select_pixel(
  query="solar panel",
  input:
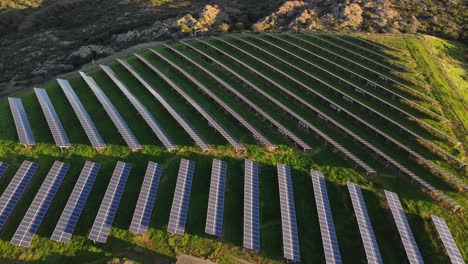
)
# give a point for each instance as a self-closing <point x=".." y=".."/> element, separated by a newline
<point x="251" y="206"/>
<point x="181" y="199"/>
<point x="55" y="126"/>
<point x="407" y="238"/>
<point x="145" y="204"/>
<point x="116" y="118"/>
<point x="103" y="222"/>
<point x="39" y="206"/>
<point x="365" y="227"/>
<point x="15" y="189"/>
<point x="23" y="128"/>
<point x="3" y="168"/>
<point x="327" y="227"/>
<point x="199" y="140"/>
<point x="288" y="214"/>
<point x="83" y="116"/>
<point x="147" y="116"/>
<point x="211" y="119"/>
<point x="293" y="114"/>
<point x="214" y="215"/>
<point x="70" y="215"/>
<point x="260" y="137"/>
<point x="447" y="239"/>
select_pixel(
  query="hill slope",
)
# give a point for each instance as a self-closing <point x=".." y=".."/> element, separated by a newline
<point x="415" y="62"/>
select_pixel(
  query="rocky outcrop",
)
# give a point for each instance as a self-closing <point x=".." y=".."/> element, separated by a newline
<point x="202" y="20"/>
<point x="364" y="15"/>
<point x="88" y="53"/>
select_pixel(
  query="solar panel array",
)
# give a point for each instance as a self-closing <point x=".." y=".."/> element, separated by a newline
<point x="15" y="189"/>
<point x="115" y="116"/>
<point x="55" y="126"/>
<point x="410" y="132"/>
<point x="288" y="214"/>
<point x="365" y="227"/>
<point x="252" y="105"/>
<point x="146" y="199"/>
<point x="255" y="132"/>
<point x="181" y="199"/>
<point x="338" y="78"/>
<point x="452" y="179"/>
<point x="105" y="216"/>
<point x="251" y="206"/>
<point x="3" y="168"/>
<point x="407" y="238"/>
<point x="301" y="120"/>
<point x="426" y="186"/>
<point x="211" y="119"/>
<point x="39" y="206"/>
<point x="142" y="110"/>
<point x="70" y="215"/>
<point x="83" y="116"/>
<point x="214" y="215"/>
<point x="385" y="90"/>
<point x="375" y="63"/>
<point x="447" y="239"/>
<point x="23" y="128"/>
<point x="199" y="140"/>
<point x="327" y="227"/>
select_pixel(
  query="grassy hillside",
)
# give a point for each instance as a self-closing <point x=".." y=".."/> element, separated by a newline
<point x="158" y="245"/>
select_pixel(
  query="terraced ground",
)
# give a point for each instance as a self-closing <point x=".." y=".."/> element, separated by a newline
<point x="337" y="94"/>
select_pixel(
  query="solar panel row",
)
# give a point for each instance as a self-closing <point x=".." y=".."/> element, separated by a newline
<point x="327" y="227"/>
<point x="365" y="227"/>
<point x="105" y="216"/>
<point x="83" y="116"/>
<point x="199" y="140"/>
<point x="55" y="126"/>
<point x="288" y="214"/>
<point x="70" y="215"/>
<point x="366" y="144"/>
<point x="142" y="110"/>
<point x="39" y="206"/>
<point x="257" y="135"/>
<point x="23" y="128"/>
<point x="15" y="189"/>
<point x="407" y="238"/>
<point x="142" y="215"/>
<point x="180" y="202"/>
<point x="219" y="101"/>
<point x="214" y="215"/>
<point x="3" y="168"/>
<point x="301" y="120"/>
<point x="251" y="206"/>
<point x="115" y="116"/>
<point x="447" y="239"/>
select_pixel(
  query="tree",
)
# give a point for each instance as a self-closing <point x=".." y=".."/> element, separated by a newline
<point x="224" y="27"/>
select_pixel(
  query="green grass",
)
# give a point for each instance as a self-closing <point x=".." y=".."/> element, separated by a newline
<point x="158" y="244"/>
